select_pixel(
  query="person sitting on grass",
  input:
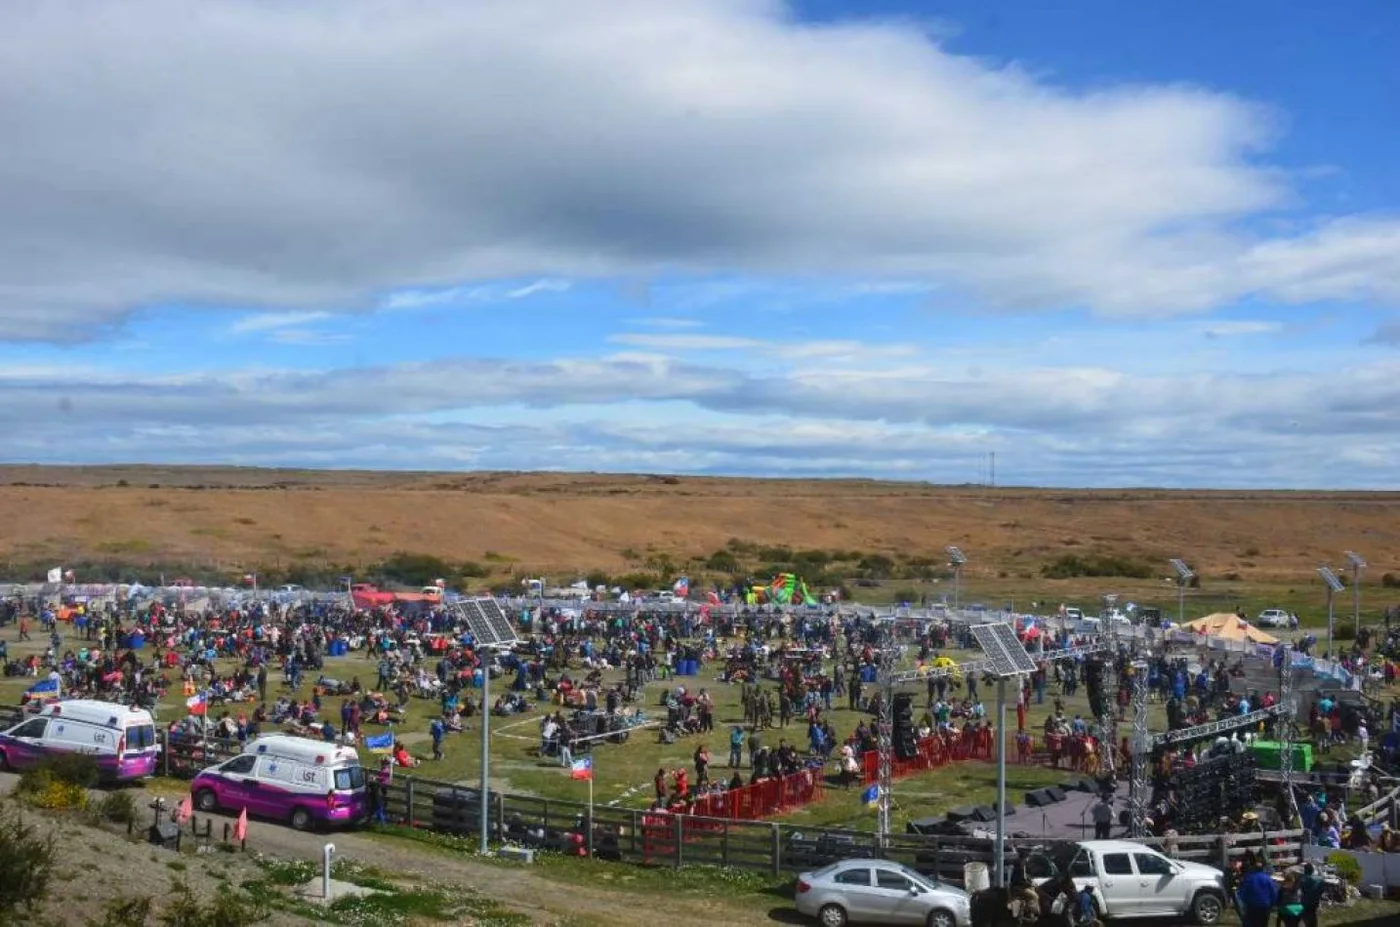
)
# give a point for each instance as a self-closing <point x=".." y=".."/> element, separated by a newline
<point x="401" y="757"/>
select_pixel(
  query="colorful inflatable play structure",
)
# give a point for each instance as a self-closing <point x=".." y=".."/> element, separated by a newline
<point x="785" y="589"/>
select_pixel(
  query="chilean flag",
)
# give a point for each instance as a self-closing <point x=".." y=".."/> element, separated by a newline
<point x="682" y="587"/>
<point x="197" y="704"/>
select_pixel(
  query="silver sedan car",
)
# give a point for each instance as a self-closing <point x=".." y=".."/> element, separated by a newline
<point x="876" y="891"/>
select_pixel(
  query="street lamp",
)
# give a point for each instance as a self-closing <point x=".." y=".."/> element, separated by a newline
<point x="1334" y="586"/>
<point x="1183" y="576"/>
<point x="1357" y="565"/>
<point x="956" y="559"/>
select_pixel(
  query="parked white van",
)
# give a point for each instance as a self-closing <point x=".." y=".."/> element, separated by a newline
<point x="122" y="739"/>
<point x="287" y="778"/>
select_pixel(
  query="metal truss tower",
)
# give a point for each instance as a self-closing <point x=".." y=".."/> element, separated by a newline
<point x="884" y="732"/>
<point x="1140" y="785"/>
<point x="1288" y="721"/>
<point x="1108" y="720"/>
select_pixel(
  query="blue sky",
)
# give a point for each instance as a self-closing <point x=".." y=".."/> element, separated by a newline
<point x="1146" y="244"/>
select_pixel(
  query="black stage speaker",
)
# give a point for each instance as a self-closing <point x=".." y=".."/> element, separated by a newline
<point x="906" y="745"/>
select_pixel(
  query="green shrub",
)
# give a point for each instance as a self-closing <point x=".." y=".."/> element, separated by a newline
<point x="1347" y="867"/>
<point x="124" y="912"/>
<point x="226" y="909"/>
<point x="78" y="769"/>
<point x="117" y="807"/>
<point x="26" y="863"/>
<point x="1073" y="566"/>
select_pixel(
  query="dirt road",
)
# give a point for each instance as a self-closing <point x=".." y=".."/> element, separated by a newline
<point x="527" y="891"/>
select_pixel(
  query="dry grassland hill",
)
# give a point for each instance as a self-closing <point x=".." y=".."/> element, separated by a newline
<point x="562" y="524"/>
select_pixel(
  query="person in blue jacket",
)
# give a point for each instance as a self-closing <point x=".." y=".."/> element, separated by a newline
<point x="1256" y="897"/>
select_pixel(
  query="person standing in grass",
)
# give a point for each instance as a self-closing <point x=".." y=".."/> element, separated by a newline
<point x="736" y="746"/>
<point x="438" y="731"/>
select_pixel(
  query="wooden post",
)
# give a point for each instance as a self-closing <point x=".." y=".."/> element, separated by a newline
<point x="408" y="800"/>
<point x="724" y="845"/>
<point x="679" y="838"/>
<point x="635" y="825"/>
<point x="775" y="850"/>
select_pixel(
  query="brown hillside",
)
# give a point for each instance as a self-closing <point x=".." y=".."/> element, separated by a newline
<point x="560" y="523"/>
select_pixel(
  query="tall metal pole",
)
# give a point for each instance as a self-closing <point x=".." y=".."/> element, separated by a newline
<point x="1331" y="620"/>
<point x="957" y="586"/>
<point x="1181" y="601"/>
<point x="484" y="809"/>
<point x="1000" y="854"/>
<point x="1356" y="598"/>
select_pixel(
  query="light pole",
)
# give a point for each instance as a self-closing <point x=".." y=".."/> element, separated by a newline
<point x="1183" y="576"/>
<point x="484" y="805"/>
<point x="1357" y="565"/>
<point x="956" y="559"/>
<point x="1334" y="586"/>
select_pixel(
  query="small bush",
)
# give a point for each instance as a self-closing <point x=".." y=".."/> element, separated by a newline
<point x="1390" y="581"/>
<point x="26" y="863"/>
<point x="124" y="912"/>
<point x="1072" y="566"/>
<point x="69" y="768"/>
<point x="117" y="807"/>
<point x="226" y="909"/>
<point x="59" y="796"/>
<point x="1347" y="867"/>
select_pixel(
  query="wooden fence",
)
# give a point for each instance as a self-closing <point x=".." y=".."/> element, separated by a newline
<point x="640" y="836"/>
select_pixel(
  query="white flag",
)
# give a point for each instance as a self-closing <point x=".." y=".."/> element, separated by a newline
<point x="56" y="575"/>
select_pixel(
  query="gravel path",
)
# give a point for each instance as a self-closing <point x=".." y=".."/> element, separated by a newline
<point x="107" y="865"/>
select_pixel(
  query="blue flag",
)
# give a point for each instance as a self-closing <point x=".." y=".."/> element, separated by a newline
<point x="43" y="686"/>
<point x="871" y="796"/>
<point x="380" y="743"/>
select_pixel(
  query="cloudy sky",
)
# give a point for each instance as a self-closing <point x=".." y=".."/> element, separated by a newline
<point x="1117" y="244"/>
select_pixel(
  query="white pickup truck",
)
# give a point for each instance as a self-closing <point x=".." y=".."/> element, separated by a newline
<point x="1134" y="880"/>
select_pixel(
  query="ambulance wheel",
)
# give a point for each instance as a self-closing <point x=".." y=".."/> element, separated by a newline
<point x="301" y="819"/>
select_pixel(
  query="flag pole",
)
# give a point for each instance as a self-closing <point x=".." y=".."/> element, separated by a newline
<point x="591" y="773"/>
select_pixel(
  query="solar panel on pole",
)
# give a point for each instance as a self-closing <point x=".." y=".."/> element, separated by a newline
<point x="1005" y="653"/>
<point x="487" y="622"/>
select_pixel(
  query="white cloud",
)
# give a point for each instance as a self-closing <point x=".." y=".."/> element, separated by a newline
<point x="1226" y="328"/>
<point x="319" y="155"/>
<point x="667" y="322"/>
<point x="1079" y="426"/>
<point x="270" y="321"/>
<point x="458" y="295"/>
<point x="684" y="342"/>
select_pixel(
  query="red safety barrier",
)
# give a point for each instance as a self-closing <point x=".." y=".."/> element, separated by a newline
<point x="934" y="751"/>
<point x="708" y="813"/>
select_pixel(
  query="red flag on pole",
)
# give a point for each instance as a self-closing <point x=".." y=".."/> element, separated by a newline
<point x="185" y="811"/>
<point x="240" y="828"/>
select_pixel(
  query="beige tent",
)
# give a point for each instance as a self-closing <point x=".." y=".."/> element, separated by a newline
<point x="1229" y="626"/>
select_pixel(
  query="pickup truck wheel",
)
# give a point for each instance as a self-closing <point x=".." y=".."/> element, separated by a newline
<point x="941" y="919"/>
<point x="832" y="915"/>
<point x="1206" y="909"/>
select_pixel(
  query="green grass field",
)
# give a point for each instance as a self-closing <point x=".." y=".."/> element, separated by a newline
<point x="623" y="772"/>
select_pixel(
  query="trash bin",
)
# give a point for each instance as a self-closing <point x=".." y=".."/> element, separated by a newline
<point x="976" y="877"/>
